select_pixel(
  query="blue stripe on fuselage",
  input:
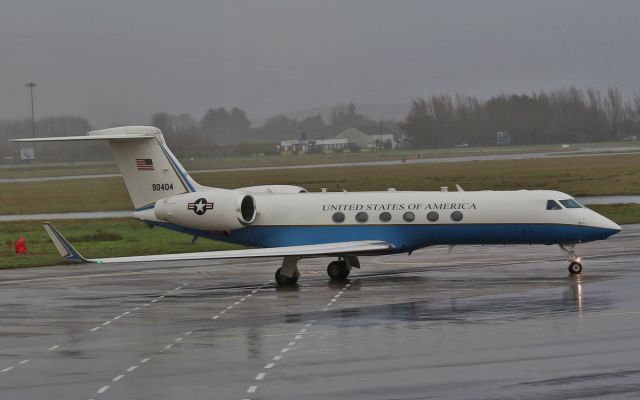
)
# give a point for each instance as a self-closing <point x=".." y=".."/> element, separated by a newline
<point x="405" y="237"/>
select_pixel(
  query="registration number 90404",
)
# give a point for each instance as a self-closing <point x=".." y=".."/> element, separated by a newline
<point x="158" y="187"/>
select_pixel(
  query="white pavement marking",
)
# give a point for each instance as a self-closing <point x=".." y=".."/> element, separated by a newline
<point x="177" y="340"/>
<point x="299" y="335"/>
<point x="103" y="324"/>
<point x="103" y="389"/>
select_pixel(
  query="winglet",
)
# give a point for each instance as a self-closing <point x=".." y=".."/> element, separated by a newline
<point x="63" y="246"/>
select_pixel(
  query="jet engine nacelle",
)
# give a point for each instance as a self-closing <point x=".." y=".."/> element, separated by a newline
<point x="213" y="210"/>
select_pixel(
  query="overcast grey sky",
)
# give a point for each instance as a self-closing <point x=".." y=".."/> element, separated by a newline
<point x="120" y="61"/>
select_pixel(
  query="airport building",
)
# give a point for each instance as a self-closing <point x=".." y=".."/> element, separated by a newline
<point x="366" y="138"/>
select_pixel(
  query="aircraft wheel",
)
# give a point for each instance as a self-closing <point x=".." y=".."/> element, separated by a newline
<point x="282" y="280"/>
<point x="575" y="268"/>
<point x="338" y="270"/>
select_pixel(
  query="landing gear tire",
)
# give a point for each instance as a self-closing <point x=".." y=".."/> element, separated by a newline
<point x="282" y="280"/>
<point x="575" y="268"/>
<point x="338" y="270"/>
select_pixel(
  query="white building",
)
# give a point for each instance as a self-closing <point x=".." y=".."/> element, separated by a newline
<point x="373" y="137"/>
<point x="312" y="146"/>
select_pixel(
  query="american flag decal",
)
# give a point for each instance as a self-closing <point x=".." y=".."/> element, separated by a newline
<point x="144" y="164"/>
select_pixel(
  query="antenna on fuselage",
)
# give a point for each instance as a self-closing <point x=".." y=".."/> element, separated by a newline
<point x="460" y="189"/>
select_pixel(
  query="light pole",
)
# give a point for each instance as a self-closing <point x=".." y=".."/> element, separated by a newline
<point x="31" y="85"/>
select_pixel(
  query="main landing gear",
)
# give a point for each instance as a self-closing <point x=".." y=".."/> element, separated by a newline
<point x="574" y="267"/>
<point x="340" y="269"/>
<point x="288" y="274"/>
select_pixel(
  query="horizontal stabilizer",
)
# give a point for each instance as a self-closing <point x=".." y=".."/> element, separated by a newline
<point x="77" y="138"/>
<point x="118" y="133"/>
<point x="316" y="250"/>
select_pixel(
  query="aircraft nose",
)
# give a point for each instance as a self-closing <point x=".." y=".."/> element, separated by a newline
<point x="609" y="225"/>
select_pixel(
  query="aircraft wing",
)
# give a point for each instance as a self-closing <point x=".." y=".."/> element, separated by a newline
<point x="67" y="251"/>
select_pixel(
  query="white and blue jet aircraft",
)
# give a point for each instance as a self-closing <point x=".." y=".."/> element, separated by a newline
<point x="287" y="221"/>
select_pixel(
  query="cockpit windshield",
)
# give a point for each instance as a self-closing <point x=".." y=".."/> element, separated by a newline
<point x="553" y="205"/>
<point x="570" y="203"/>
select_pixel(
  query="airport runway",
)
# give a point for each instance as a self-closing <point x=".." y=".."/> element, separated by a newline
<point x="588" y="151"/>
<point x="479" y="322"/>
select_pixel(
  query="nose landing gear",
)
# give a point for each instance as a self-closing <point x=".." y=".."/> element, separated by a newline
<point x="574" y="267"/>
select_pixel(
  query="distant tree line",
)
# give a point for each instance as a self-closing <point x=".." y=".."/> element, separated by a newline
<point x="560" y="116"/>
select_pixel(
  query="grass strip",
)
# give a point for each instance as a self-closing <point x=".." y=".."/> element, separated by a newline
<point x="578" y="176"/>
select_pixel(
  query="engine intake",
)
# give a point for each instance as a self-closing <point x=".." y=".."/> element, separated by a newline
<point x="214" y="210"/>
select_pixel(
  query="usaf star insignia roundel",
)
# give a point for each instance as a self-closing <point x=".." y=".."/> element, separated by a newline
<point x="200" y="206"/>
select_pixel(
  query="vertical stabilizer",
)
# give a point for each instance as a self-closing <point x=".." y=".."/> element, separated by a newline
<point x="149" y="169"/>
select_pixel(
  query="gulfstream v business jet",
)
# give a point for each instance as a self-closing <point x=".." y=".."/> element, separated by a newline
<point x="287" y="221"/>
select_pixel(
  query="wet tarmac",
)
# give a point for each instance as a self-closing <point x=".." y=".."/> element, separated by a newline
<point x="476" y="322"/>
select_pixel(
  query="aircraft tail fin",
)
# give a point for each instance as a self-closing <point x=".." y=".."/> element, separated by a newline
<point x="63" y="246"/>
<point x="149" y="169"/>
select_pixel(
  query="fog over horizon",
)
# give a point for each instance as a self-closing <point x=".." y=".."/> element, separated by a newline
<point x="120" y="62"/>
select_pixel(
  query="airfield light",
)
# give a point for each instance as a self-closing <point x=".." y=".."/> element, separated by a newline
<point x="31" y="85"/>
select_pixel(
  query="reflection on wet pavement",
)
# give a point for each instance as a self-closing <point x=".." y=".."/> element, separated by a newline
<point x="503" y="323"/>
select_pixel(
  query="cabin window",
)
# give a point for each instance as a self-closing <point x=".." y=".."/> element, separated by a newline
<point x="433" y="216"/>
<point x="385" y="216"/>
<point x="553" y="205"/>
<point x="570" y="203"/>
<point x="456" y="216"/>
<point x="408" y="216"/>
<point x="338" y="217"/>
<point x="362" y="217"/>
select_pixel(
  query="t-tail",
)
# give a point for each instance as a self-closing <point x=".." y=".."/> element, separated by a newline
<point x="149" y="169"/>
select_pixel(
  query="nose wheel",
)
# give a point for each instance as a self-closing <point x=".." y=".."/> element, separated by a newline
<point x="575" y="267"/>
